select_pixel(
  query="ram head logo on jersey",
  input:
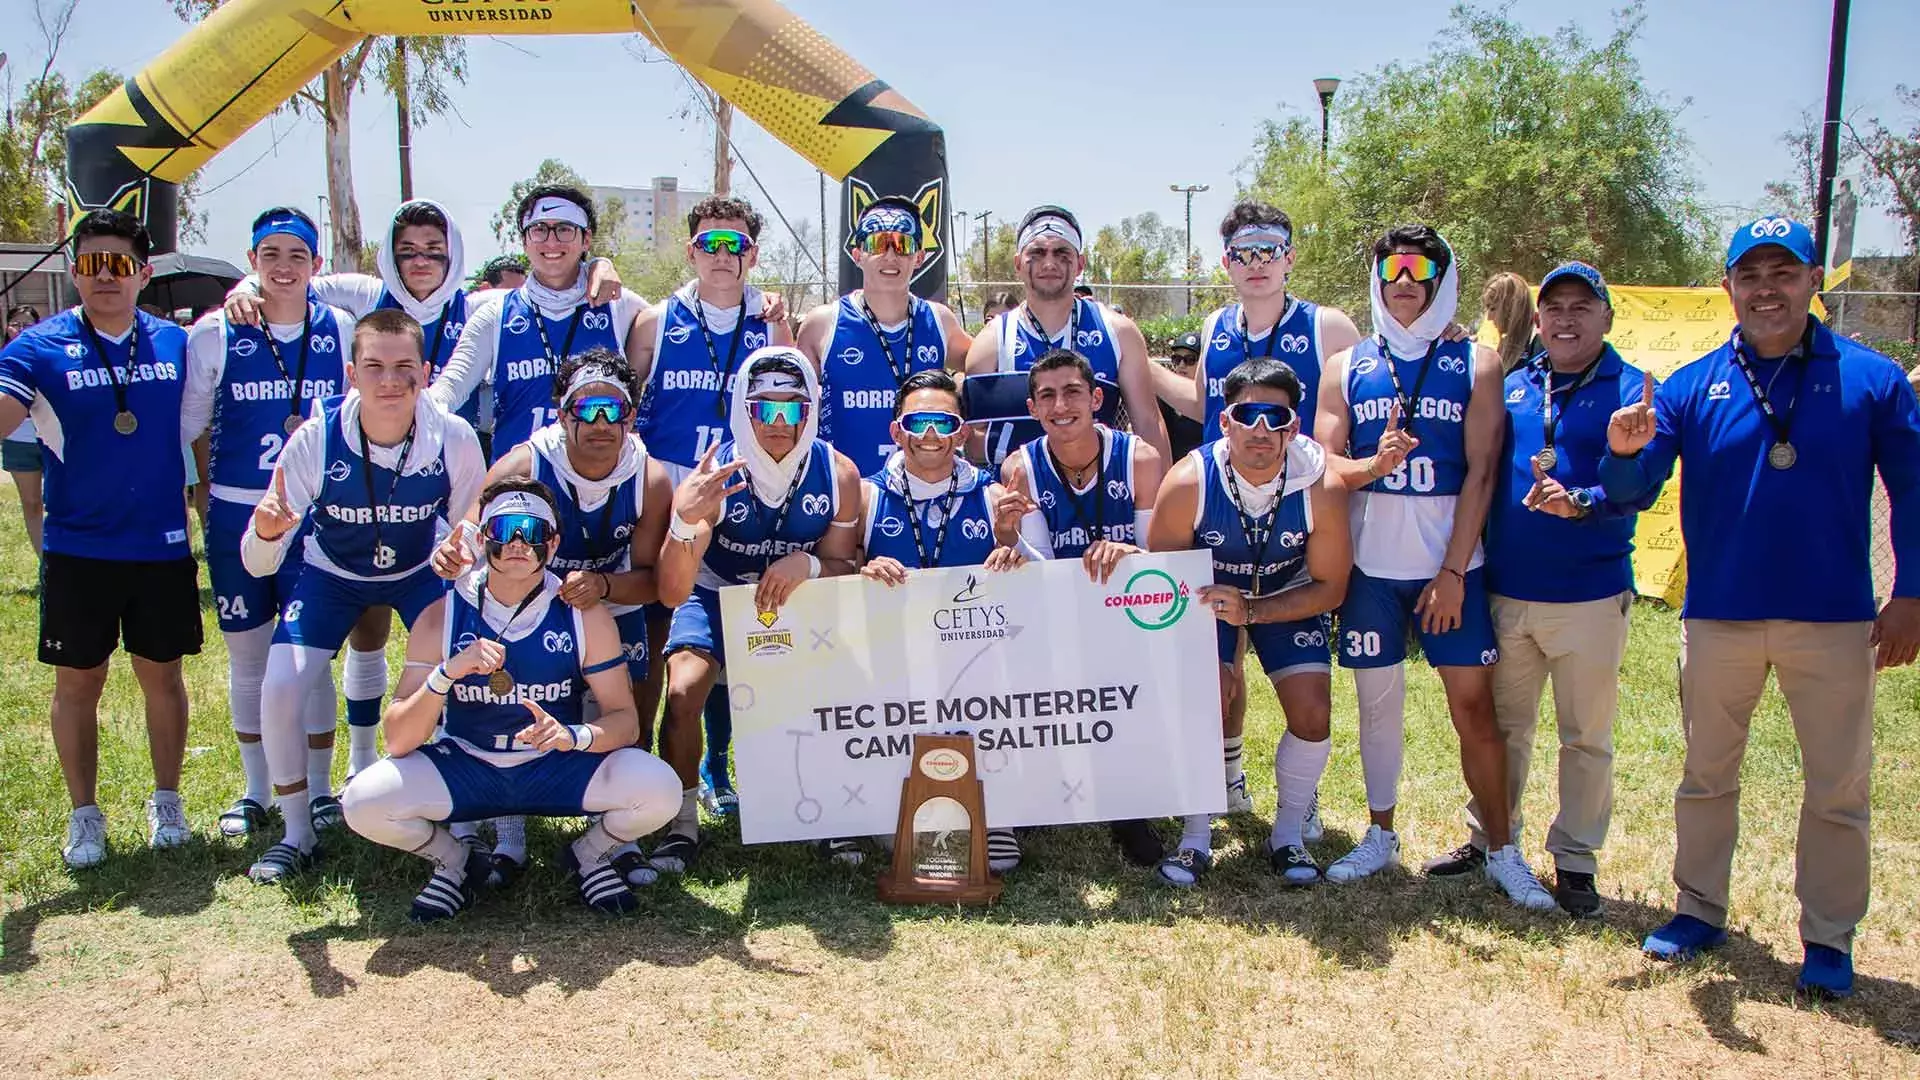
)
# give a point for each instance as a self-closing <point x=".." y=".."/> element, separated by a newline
<point x="1090" y="338"/>
<point x="596" y="320"/>
<point x="931" y="199"/>
<point x="242" y="347"/>
<point x="975" y="529"/>
<point x="927" y="354"/>
<point x="679" y="334"/>
<point x="1516" y="393"/>
<point x="890" y="527"/>
<point x="815" y="504"/>
<point x="622" y="532"/>
<point x="76" y="351"/>
<point x="518" y="325"/>
<point x="1452" y="365"/>
<point x="1116" y="489"/>
<point x="1293" y="343"/>
<point x="557" y="641"/>
<point x="323" y="344"/>
<point x="433" y="467"/>
<point x="1046" y="499"/>
<point x="754" y="339"/>
<point x="851" y="356"/>
<point x="339" y="471"/>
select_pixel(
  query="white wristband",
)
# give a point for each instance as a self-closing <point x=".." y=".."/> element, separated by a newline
<point x="813" y="564"/>
<point x="680" y="528"/>
<point x="439" y="681"/>
<point x="582" y="736"/>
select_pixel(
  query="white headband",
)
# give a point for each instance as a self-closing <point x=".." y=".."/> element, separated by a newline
<point x="1257" y="232"/>
<point x="519" y="502"/>
<point x="775" y="382"/>
<point x="1049" y="225"/>
<point x="555" y="208"/>
<point x="590" y="374"/>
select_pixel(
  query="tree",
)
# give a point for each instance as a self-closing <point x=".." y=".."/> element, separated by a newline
<point x="1139" y="249"/>
<point x="610" y="239"/>
<point x="1523" y="150"/>
<point x="423" y="75"/>
<point x="1892" y="157"/>
<point x="1000" y="251"/>
<point x="1797" y="195"/>
<point x="792" y="263"/>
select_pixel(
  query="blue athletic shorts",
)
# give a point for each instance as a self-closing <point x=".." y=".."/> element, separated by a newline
<point x="242" y="601"/>
<point x="696" y="625"/>
<point x="1378" y="612"/>
<point x="633" y="641"/>
<point x="325" y="607"/>
<point x="1282" y="648"/>
<point x="551" y="785"/>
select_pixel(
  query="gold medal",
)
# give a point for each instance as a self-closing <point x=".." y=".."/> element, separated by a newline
<point x="125" y="422"/>
<point x="500" y="683"/>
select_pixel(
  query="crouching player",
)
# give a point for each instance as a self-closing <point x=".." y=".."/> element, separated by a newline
<point x="502" y="660"/>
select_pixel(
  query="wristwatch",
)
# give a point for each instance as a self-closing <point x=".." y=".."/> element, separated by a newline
<point x="1582" y="500"/>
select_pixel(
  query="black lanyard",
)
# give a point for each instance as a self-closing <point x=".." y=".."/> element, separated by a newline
<point x="1097" y="529"/>
<point x="1273" y="335"/>
<point x="914" y="517"/>
<point x="1259" y="534"/>
<point x="597" y="537"/>
<point x="1782" y="426"/>
<point x="300" y="377"/>
<point x="1587" y="375"/>
<point x="374" y="504"/>
<point x="900" y="373"/>
<point x="440" y="329"/>
<point x="733" y="350"/>
<point x="1406" y="403"/>
<point x="1046" y="339"/>
<point x="119" y="385"/>
<point x="540" y="324"/>
<point x="525" y="603"/>
<point x="780" y="518"/>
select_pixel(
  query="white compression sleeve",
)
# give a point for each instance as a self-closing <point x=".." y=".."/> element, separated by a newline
<point x="1297" y="768"/>
<point x="246" y="669"/>
<point x="396" y="801"/>
<point x="1382" y="694"/>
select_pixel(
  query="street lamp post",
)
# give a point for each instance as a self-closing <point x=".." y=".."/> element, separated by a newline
<point x="1325" y="86"/>
<point x="1188" y="190"/>
<point x="958" y="242"/>
<point x="984" y="217"/>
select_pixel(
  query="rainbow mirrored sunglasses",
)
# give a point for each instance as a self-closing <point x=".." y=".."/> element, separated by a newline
<point x="723" y="241"/>
<point x="116" y="263"/>
<point x="1275" y="416"/>
<point x="503" y="529"/>
<point x="882" y="243"/>
<point x="943" y="424"/>
<point x="791" y="413"/>
<point x="599" y="408"/>
<point x="1390" y="267"/>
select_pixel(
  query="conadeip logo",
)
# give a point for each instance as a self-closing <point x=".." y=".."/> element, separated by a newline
<point x="1152" y="599"/>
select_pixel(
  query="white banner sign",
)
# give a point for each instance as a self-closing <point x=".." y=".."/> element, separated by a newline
<point x="1086" y="702"/>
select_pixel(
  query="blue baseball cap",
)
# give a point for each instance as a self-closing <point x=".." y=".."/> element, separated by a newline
<point x="1581" y="272"/>
<point x="1779" y="231"/>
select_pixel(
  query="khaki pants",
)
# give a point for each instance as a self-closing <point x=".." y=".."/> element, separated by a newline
<point x="1579" y="647"/>
<point x="1826" y="674"/>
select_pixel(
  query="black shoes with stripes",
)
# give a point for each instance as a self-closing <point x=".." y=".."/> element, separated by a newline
<point x="601" y="886"/>
<point x="443" y="897"/>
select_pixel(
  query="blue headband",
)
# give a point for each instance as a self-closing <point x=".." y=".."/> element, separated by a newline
<point x="886" y="217"/>
<point x="288" y="225"/>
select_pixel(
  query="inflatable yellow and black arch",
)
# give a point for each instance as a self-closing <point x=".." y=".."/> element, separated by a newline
<point x="132" y="150"/>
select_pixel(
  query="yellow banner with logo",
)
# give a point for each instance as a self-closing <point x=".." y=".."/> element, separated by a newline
<point x="1659" y="329"/>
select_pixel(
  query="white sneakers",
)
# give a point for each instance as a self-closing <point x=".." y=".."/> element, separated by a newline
<point x="1508" y="869"/>
<point x="86" y="838"/>
<point x="1238" y="801"/>
<point x="1376" y="851"/>
<point x="166" y="822"/>
<point x="1312" y="829"/>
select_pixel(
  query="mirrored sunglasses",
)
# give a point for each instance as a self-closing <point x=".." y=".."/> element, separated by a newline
<point x="717" y="241"/>
<point x="1419" y="266"/>
<point x="942" y="424"/>
<point x="792" y="413"/>
<point x="599" y="409"/>
<point x="1274" y="416"/>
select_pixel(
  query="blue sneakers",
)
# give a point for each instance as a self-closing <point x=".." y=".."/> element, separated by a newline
<point x="1827" y="973"/>
<point x="1683" y="938"/>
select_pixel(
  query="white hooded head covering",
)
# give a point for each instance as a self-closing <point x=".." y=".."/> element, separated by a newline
<point x="764" y="368"/>
<point x="424" y="311"/>
<point x="1412" y="342"/>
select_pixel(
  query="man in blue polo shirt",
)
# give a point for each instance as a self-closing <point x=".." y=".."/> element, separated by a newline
<point x="1559" y="578"/>
<point x="104" y="384"/>
<point x="1780" y="430"/>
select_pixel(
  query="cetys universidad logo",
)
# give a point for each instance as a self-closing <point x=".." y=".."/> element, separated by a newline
<point x="1152" y="599"/>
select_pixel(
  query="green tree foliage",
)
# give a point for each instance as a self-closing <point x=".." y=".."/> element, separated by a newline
<point x="1523" y="150"/>
<point x="1139" y="249"/>
<point x="506" y="227"/>
<point x="1892" y="156"/>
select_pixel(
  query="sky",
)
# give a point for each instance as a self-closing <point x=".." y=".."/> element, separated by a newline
<point x="1097" y="106"/>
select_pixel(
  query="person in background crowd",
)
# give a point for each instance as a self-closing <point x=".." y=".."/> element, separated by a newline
<point x="1780" y="431"/>
<point x="1508" y="305"/>
<point x="997" y="304"/>
<point x="505" y="272"/>
<point x="21" y="454"/>
<point x="104" y="383"/>
<point x="1183" y="358"/>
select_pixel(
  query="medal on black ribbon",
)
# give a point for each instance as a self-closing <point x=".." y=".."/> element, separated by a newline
<point x="298" y="376"/>
<point x="1782" y="455"/>
<point x="500" y="682"/>
<point x="293" y="423"/>
<point x="124" y="421"/>
<point x="1548" y="457"/>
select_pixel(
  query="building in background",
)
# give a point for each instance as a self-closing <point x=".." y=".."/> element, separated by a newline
<point x="663" y="202"/>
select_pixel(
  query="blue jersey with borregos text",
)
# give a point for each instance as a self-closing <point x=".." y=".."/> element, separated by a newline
<point x="544" y="663"/>
<point x="861" y="371"/>
<point x="442" y="334"/>
<point x="1075" y="519"/>
<point x="1283" y="560"/>
<point x="1438" y="466"/>
<point x="396" y="531"/>
<point x="256" y="396"/>
<point x="683" y="407"/>
<point x="752" y="536"/>
<point x="523" y="369"/>
<point x="1224" y="345"/>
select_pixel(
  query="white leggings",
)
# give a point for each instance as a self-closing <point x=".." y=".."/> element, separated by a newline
<point x="397" y="801"/>
<point x="296" y="700"/>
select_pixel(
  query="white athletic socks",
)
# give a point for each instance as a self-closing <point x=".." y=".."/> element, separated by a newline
<point x="687" y="821"/>
<point x="1382" y="694"/>
<point x="1196" y="832"/>
<point x="363" y="748"/>
<point x="253" y="761"/>
<point x="510" y="838"/>
<point x="297" y="809"/>
<point x="1297" y="767"/>
<point x="594" y="845"/>
<point x="446" y="852"/>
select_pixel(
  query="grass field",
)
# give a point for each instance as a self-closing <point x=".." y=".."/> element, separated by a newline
<point x="769" y="963"/>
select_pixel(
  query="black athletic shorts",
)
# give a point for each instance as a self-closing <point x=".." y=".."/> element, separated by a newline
<point x="89" y="606"/>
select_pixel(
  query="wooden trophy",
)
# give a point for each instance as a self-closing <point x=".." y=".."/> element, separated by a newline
<point x="940" y="848"/>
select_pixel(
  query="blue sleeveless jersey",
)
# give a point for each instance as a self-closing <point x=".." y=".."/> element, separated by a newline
<point x="254" y="399"/>
<point x="1103" y="512"/>
<point x="1438" y="466"/>
<point x="523" y="372"/>
<point x="600" y="539"/>
<point x="544" y="663"/>
<point x="1087" y="333"/>
<point x="745" y="543"/>
<point x="442" y="333"/>
<point x="1284" y="559"/>
<point x="861" y="372"/>
<point x="1295" y="342"/>
<point x="683" y="408"/>
<point x="343" y="522"/>
<point x="967" y="538"/>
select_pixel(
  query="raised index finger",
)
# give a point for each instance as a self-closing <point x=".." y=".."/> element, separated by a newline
<point x="1393" y="417"/>
<point x="1646" y="388"/>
